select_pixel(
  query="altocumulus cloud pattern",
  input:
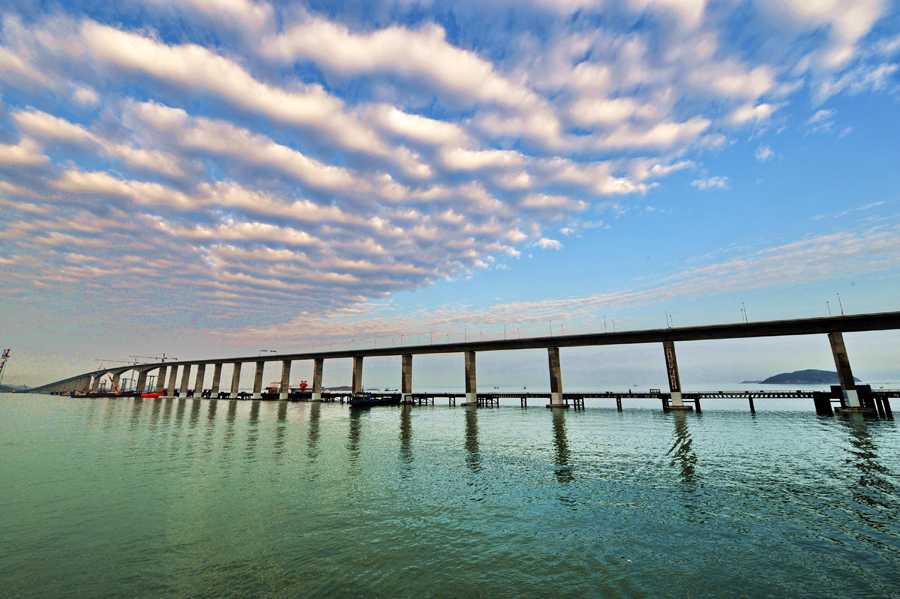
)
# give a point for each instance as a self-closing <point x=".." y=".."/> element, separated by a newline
<point x="236" y="159"/>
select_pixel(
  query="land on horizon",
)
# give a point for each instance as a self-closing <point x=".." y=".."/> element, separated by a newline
<point x="809" y="376"/>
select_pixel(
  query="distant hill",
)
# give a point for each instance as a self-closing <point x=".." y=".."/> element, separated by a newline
<point x="805" y="377"/>
<point x="13" y="388"/>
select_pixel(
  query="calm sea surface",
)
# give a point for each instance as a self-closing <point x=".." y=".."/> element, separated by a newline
<point x="199" y="498"/>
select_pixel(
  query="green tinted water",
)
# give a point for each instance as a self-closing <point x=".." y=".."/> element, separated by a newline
<point x="199" y="498"/>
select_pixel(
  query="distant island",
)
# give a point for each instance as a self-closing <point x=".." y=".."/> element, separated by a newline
<point x="803" y="377"/>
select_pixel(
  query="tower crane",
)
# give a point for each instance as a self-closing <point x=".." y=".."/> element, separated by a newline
<point x="162" y="358"/>
<point x="119" y="361"/>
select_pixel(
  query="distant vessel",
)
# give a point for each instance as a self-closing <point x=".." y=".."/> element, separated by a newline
<point x="367" y="400"/>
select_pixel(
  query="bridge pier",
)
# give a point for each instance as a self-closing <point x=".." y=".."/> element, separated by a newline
<point x="676" y="403"/>
<point x="217" y="379"/>
<point x="556" y="388"/>
<point x="357" y="374"/>
<point x="201" y="378"/>
<point x="170" y="387"/>
<point x="258" y="379"/>
<point x="284" y="390"/>
<point x="471" y="381"/>
<point x="236" y="380"/>
<point x="141" y="381"/>
<point x="161" y="379"/>
<point x="845" y="375"/>
<point x="406" y="377"/>
<point x="115" y="380"/>
<point x="95" y="383"/>
<point x="318" y="369"/>
<point x="185" y="379"/>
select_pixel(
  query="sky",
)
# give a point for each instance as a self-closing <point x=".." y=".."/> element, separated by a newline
<point x="209" y="178"/>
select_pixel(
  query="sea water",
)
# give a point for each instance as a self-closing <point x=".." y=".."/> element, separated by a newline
<point x="201" y="498"/>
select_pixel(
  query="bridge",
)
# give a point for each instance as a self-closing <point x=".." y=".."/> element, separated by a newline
<point x="832" y="327"/>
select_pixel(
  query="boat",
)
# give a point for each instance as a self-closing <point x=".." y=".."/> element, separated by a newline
<point x="368" y="400"/>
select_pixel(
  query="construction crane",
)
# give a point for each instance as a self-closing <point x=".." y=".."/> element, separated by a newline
<point x="3" y="360"/>
<point x="162" y="358"/>
<point x="119" y="361"/>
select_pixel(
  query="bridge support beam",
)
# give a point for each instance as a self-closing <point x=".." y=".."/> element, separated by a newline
<point x="406" y="377"/>
<point x="95" y="384"/>
<point x="258" y="380"/>
<point x="845" y="374"/>
<point x="236" y="380"/>
<point x="556" y="388"/>
<point x="217" y="380"/>
<point x="161" y="379"/>
<point x="318" y="370"/>
<point x="674" y="378"/>
<point x="185" y="380"/>
<point x="471" y="381"/>
<point x="357" y="374"/>
<point x="115" y="381"/>
<point x="284" y="390"/>
<point x="141" y="381"/>
<point x="201" y="378"/>
<point x="170" y="387"/>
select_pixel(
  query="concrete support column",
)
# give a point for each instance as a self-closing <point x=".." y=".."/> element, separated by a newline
<point x="673" y="376"/>
<point x="406" y="377"/>
<point x="116" y="378"/>
<point x="161" y="379"/>
<point x="318" y="369"/>
<point x="141" y="381"/>
<point x="236" y="379"/>
<point x="842" y="364"/>
<point x="217" y="378"/>
<point x="471" y="383"/>
<point x="556" y="388"/>
<point x="258" y="380"/>
<point x="357" y="374"/>
<point x="173" y="374"/>
<point x="95" y="384"/>
<point x="185" y="379"/>
<point x="284" y="390"/>
<point x="201" y="378"/>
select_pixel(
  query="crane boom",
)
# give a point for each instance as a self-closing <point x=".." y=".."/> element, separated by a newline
<point x="162" y="358"/>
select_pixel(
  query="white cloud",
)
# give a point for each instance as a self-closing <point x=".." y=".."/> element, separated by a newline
<point x="764" y="154"/>
<point x="85" y="96"/>
<point x="26" y="152"/>
<point x="468" y="160"/>
<point x="194" y="66"/>
<point x="424" y="53"/>
<point x="661" y="135"/>
<point x="845" y="22"/>
<point x="45" y="125"/>
<point x="711" y="183"/>
<point x="224" y="138"/>
<point x="748" y="112"/>
<point x="822" y="121"/>
<point x="542" y="201"/>
<point x="549" y="244"/>
<point x="253" y="15"/>
<point x="591" y="111"/>
<point x="416" y="127"/>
